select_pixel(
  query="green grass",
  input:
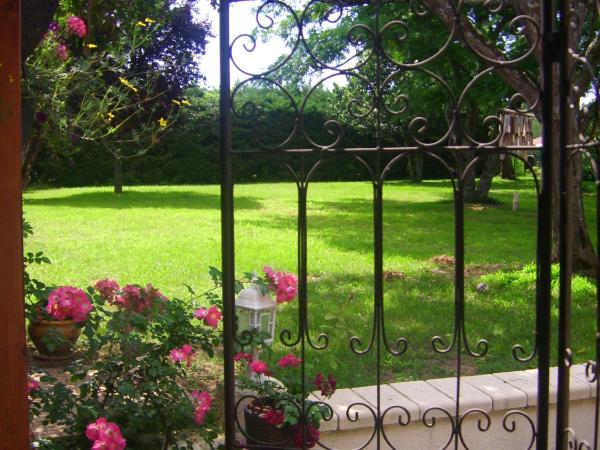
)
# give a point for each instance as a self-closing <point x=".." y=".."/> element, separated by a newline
<point x="170" y="235"/>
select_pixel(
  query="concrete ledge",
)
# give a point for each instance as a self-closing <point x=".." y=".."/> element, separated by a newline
<point x="421" y="414"/>
<point x="409" y="401"/>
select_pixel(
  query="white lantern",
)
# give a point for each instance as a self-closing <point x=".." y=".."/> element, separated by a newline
<point x="256" y="310"/>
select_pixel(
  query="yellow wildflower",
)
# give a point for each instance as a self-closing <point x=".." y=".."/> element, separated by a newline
<point x="186" y="102"/>
<point x="141" y="24"/>
<point x="109" y="117"/>
<point x="125" y="82"/>
<point x="149" y="20"/>
<point x="90" y="46"/>
<point x="163" y="122"/>
<point x="176" y="102"/>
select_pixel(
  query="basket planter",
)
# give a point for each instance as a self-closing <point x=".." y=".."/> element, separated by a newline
<point x="54" y="339"/>
<point x="260" y="433"/>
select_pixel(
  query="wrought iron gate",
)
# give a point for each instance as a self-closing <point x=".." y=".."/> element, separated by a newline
<point x="550" y="30"/>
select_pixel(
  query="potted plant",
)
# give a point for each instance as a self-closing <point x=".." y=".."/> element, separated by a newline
<point x="278" y="413"/>
<point x="55" y="320"/>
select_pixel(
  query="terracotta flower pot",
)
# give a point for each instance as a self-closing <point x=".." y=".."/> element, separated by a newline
<point x="54" y="339"/>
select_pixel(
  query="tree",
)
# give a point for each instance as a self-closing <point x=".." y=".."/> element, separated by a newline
<point x="460" y="50"/>
<point x="118" y="83"/>
<point x="585" y="42"/>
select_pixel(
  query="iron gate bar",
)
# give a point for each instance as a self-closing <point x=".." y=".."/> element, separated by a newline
<point x="227" y="227"/>
<point x="544" y="231"/>
<point x="393" y="150"/>
<point x="549" y="39"/>
<point x="566" y="229"/>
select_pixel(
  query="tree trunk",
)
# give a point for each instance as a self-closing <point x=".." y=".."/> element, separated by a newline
<point x="415" y="168"/>
<point x="583" y="254"/>
<point x="507" y="171"/>
<point x="31" y="151"/>
<point x="489" y="170"/>
<point x="117" y="174"/>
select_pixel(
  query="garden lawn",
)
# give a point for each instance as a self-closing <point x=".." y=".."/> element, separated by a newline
<point x="169" y="235"/>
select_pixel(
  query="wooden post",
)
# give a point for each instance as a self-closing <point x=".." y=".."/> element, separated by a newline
<point x="14" y="416"/>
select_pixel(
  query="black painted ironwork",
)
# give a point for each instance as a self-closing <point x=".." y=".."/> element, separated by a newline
<point x="547" y="27"/>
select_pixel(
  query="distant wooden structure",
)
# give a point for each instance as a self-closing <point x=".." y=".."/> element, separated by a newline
<point x="516" y="131"/>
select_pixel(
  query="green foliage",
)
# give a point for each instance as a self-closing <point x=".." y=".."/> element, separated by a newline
<point x="34" y="289"/>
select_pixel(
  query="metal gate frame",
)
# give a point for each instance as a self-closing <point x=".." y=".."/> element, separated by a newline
<point x="554" y="39"/>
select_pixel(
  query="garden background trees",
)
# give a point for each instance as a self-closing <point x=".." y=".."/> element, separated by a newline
<point x="451" y="59"/>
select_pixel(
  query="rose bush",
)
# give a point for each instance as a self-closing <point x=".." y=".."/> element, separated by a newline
<point x="134" y="374"/>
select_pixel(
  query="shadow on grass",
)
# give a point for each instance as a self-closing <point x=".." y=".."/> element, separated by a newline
<point x="421" y="230"/>
<point x="170" y="199"/>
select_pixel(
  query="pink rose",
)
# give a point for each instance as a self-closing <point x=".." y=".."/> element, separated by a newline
<point x="259" y="367"/>
<point x="200" y="313"/>
<point x="177" y="355"/>
<point x="213" y="316"/>
<point x="282" y="283"/>
<point x="185" y="353"/>
<point x="32" y="385"/>
<point x="289" y="361"/>
<point x="204" y="403"/>
<point x="105" y="435"/>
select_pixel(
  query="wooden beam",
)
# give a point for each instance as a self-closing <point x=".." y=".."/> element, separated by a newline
<point x="14" y="415"/>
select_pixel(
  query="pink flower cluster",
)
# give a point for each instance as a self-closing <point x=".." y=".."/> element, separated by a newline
<point x="243" y="356"/>
<point x="204" y="403"/>
<point x="67" y="302"/>
<point x="77" y="26"/>
<point x="273" y="417"/>
<point x="211" y="316"/>
<point x="132" y="297"/>
<point x="107" y="288"/>
<point x="259" y="367"/>
<point x="310" y="436"/>
<point x="283" y="284"/>
<point x="289" y="360"/>
<point x="62" y="52"/>
<point x="327" y="386"/>
<point x="105" y="435"/>
<point x="185" y="353"/>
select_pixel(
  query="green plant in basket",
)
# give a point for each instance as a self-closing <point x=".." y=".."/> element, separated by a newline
<point x="280" y="398"/>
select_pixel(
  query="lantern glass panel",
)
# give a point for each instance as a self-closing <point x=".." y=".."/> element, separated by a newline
<point x="265" y="318"/>
<point x="244" y="319"/>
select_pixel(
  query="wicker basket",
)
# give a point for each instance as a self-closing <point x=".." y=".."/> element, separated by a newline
<point x="262" y="435"/>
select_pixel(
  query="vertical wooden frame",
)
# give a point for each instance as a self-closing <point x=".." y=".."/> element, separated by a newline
<point x="14" y="419"/>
